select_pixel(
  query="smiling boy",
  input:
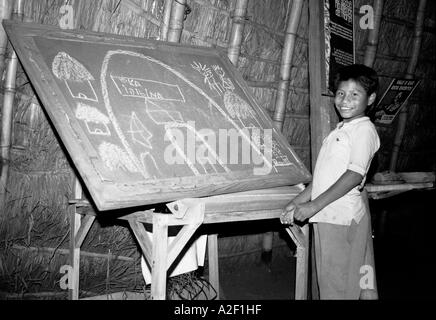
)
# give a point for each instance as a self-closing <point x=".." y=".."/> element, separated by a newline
<point x="333" y="200"/>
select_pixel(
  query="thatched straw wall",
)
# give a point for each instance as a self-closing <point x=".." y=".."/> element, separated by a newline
<point x="417" y="152"/>
<point x="34" y="227"/>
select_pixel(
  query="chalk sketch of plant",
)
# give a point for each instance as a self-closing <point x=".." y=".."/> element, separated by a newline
<point x="239" y="108"/>
<point x="115" y="158"/>
<point x="76" y="77"/>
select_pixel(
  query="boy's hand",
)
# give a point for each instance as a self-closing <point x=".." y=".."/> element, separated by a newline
<point x="305" y="211"/>
<point x="287" y="217"/>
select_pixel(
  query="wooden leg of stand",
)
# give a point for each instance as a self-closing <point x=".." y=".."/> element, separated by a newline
<point x="74" y="255"/>
<point x="301" y="274"/>
<point x="313" y="278"/>
<point x="75" y="219"/>
<point x="160" y="255"/>
<point x="212" y="249"/>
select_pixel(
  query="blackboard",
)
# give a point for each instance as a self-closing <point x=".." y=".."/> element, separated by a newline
<point x="148" y="121"/>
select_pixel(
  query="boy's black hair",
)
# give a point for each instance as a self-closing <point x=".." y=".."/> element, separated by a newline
<point x="365" y="76"/>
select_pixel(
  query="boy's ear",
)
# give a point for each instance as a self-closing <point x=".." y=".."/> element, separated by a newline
<point x="371" y="98"/>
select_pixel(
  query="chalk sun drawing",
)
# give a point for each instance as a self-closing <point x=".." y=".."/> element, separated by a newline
<point x="96" y="122"/>
<point x="114" y="120"/>
<point x="75" y="76"/>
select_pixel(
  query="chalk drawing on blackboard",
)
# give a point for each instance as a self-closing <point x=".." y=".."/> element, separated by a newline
<point x="212" y="158"/>
<point x="148" y="89"/>
<point x="96" y="122"/>
<point x="159" y="115"/>
<point x="205" y="155"/>
<point x="195" y="159"/>
<point x="76" y="77"/>
<point x="115" y="158"/>
<point x="172" y="119"/>
<point x="148" y="162"/>
<point x="259" y="140"/>
<point x="279" y="159"/>
<point x="209" y="77"/>
<point x="139" y="132"/>
<point x="178" y="144"/>
<point x="238" y="108"/>
<point x="226" y="83"/>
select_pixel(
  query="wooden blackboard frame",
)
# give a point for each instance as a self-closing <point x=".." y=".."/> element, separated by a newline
<point x="109" y="195"/>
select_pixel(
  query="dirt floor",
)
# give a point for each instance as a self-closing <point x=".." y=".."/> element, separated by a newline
<point x="405" y="255"/>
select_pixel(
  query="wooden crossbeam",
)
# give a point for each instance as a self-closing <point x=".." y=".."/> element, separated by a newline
<point x="143" y="239"/>
<point x="85" y="224"/>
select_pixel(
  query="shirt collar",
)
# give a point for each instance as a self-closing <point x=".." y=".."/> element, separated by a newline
<point x="352" y="122"/>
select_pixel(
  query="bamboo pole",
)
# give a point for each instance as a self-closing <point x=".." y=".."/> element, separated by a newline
<point x="5" y="13"/>
<point x="166" y="20"/>
<point x="176" y="20"/>
<point x="371" y="47"/>
<point x="234" y="48"/>
<point x="8" y="102"/>
<point x="282" y="95"/>
<point x="286" y="63"/>
<point x="409" y="75"/>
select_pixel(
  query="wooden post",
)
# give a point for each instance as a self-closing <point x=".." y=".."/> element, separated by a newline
<point x="300" y="236"/>
<point x="212" y="249"/>
<point x="320" y="104"/>
<point x="322" y="116"/>
<point x="74" y="250"/>
<point x="159" y="259"/>
<point x="409" y="75"/>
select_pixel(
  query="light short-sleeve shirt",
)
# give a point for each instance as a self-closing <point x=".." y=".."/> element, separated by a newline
<point x="351" y="146"/>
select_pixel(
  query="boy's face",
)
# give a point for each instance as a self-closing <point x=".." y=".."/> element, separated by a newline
<point x="351" y="100"/>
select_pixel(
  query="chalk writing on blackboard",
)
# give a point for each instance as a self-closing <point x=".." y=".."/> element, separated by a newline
<point x="148" y="89"/>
